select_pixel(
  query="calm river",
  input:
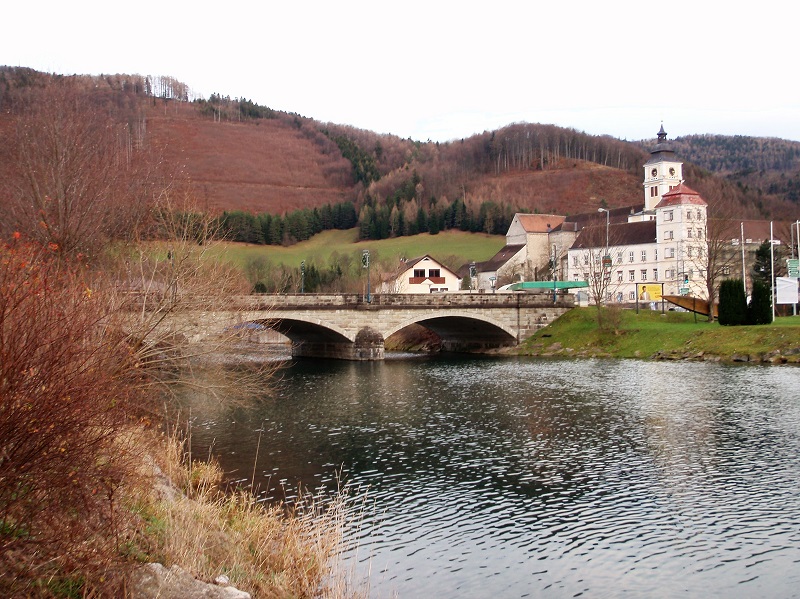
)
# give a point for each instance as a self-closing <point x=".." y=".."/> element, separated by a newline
<point x="539" y="478"/>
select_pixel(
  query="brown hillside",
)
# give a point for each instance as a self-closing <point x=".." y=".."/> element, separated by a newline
<point x="259" y="166"/>
<point x="572" y="188"/>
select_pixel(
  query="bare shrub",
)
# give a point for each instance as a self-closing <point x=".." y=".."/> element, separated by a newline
<point x="65" y="394"/>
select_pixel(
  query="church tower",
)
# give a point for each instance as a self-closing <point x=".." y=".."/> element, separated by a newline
<point x="662" y="172"/>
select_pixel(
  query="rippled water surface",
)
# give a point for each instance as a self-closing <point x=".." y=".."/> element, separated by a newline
<point x="529" y="478"/>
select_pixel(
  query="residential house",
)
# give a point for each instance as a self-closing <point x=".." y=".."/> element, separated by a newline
<point x="421" y="275"/>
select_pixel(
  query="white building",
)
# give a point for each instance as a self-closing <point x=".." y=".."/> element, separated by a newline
<point x="421" y="275"/>
<point x="655" y="250"/>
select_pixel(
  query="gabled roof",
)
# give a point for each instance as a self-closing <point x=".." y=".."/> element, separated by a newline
<point x="500" y="258"/>
<point x="619" y="234"/>
<point x="681" y="195"/>
<point x="409" y="264"/>
<point x="539" y="223"/>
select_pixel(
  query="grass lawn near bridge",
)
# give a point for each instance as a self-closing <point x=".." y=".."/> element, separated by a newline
<point x="454" y="248"/>
<point x="673" y="335"/>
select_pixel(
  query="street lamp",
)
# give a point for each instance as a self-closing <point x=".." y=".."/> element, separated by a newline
<point x="608" y="218"/>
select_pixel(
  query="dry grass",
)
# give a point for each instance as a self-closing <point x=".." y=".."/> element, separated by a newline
<point x="266" y="550"/>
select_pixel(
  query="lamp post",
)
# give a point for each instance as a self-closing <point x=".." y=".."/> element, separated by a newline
<point x="473" y="272"/>
<point x="302" y="276"/>
<point x="365" y="264"/>
<point x="608" y="219"/>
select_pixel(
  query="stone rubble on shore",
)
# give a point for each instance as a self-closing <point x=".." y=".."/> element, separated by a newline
<point x="154" y="580"/>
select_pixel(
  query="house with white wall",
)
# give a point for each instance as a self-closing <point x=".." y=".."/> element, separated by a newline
<point x="421" y="275"/>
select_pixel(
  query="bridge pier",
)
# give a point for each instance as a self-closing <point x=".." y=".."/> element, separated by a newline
<point x="369" y="345"/>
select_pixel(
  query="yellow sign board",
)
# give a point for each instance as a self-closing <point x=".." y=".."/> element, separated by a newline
<point x="648" y="292"/>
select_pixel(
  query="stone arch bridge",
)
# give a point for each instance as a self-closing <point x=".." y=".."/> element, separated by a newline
<point x="348" y="327"/>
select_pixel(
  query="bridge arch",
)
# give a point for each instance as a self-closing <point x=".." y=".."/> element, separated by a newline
<point x="306" y="329"/>
<point x="461" y="331"/>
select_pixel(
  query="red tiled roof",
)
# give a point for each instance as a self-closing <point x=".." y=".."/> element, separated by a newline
<point x="682" y="194"/>
<point x="539" y="223"/>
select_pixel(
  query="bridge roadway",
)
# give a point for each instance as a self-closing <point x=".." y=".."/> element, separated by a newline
<point x="348" y="327"/>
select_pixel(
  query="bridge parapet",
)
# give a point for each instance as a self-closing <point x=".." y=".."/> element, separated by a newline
<point x="321" y="301"/>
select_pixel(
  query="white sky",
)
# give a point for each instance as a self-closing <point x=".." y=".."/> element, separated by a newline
<point x="442" y="70"/>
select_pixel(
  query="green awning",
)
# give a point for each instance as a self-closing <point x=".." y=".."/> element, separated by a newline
<point x="545" y="285"/>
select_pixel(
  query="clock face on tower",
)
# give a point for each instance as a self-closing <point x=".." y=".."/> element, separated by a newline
<point x="672" y="172"/>
<point x="654" y="172"/>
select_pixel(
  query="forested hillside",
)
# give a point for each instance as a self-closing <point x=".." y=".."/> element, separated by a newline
<point x="277" y="177"/>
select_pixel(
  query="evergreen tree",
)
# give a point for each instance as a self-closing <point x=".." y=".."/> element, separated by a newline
<point x="732" y="303"/>
<point x="759" y="311"/>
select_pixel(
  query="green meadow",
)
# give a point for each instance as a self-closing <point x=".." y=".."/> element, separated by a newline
<point x="453" y="248"/>
<point x="626" y="334"/>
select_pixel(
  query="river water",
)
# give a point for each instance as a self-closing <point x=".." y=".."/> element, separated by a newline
<point x="537" y="478"/>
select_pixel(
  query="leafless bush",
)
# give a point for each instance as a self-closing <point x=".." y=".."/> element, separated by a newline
<point x="66" y="393"/>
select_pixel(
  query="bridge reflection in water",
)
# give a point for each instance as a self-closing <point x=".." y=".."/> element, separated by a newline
<point x="347" y="327"/>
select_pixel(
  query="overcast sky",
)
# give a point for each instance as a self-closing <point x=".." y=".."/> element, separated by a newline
<point x="443" y="70"/>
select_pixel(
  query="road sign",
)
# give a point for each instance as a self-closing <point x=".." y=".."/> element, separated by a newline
<point x="684" y="291"/>
<point x="793" y="266"/>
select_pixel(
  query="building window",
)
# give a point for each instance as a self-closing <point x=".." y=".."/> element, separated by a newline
<point x="655" y="254"/>
<point x="655" y="274"/>
<point x="699" y="233"/>
<point x="619" y="257"/>
<point x="630" y="256"/>
<point x="726" y="270"/>
<point x="434" y="272"/>
<point x="632" y="295"/>
<point x="586" y="258"/>
<point x="689" y="252"/>
<point x="574" y="261"/>
<point x="653" y="191"/>
<point x="668" y="215"/>
<point x="619" y="276"/>
<point x="670" y="252"/>
<point x="644" y="255"/>
<point x="644" y="274"/>
<point x="575" y="277"/>
<point x="689" y="233"/>
<point x="631" y="275"/>
<point x="689" y="215"/>
<point x="419" y="273"/>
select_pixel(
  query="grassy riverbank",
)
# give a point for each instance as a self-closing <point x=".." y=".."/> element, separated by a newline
<point x="674" y="335"/>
